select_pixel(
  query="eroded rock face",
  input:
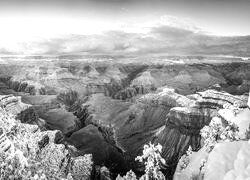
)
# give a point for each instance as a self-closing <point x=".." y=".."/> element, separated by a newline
<point x="91" y="143"/>
<point x="62" y="120"/>
<point x="185" y="78"/>
<point x="12" y="104"/>
<point x="38" y="99"/>
<point x="192" y="118"/>
<point x="182" y="130"/>
<point x="137" y="123"/>
<point x="216" y="99"/>
<point x="43" y="147"/>
<point x="94" y="142"/>
<point x="21" y="86"/>
<point x="151" y="93"/>
<point x="228" y="159"/>
<point x="183" y="124"/>
<point x="134" y="124"/>
<point x="166" y="97"/>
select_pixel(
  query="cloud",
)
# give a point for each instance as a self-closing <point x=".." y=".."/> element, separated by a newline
<point x="164" y="37"/>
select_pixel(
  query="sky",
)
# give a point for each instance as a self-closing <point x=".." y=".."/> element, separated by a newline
<point x="65" y="26"/>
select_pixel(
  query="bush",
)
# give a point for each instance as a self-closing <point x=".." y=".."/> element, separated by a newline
<point x="152" y="160"/>
<point x="216" y="131"/>
<point x="129" y="176"/>
<point x="17" y="167"/>
<point x="185" y="159"/>
<point x="248" y="133"/>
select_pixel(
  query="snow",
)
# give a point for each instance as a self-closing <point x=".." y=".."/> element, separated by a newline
<point x="229" y="161"/>
<point x="193" y="168"/>
<point x="241" y="119"/>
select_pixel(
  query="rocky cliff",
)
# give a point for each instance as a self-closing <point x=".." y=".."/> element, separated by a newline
<point x="122" y="80"/>
<point x="114" y="108"/>
<point x="227" y="156"/>
<point x="39" y="152"/>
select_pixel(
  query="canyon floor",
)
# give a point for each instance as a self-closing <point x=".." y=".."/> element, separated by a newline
<point x="111" y="106"/>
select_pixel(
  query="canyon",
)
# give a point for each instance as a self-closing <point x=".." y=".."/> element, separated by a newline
<point x="110" y="107"/>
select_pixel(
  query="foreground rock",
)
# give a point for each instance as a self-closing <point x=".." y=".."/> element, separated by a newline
<point x="42" y="151"/>
<point x="229" y="159"/>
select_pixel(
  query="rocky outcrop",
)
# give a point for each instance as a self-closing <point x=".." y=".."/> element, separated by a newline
<point x="182" y="130"/>
<point x="186" y="79"/>
<point x="19" y="86"/>
<point x="128" y="92"/>
<point x="5" y="143"/>
<point x="166" y="97"/>
<point x="216" y="99"/>
<point x="184" y="123"/>
<point x="238" y="89"/>
<point x="110" y="77"/>
<point x="42" y="150"/>
<point x="12" y="104"/>
<point x="228" y="158"/>
<point x="29" y="116"/>
<point x="94" y="142"/>
<point x="138" y="98"/>
<point x="134" y="124"/>
<point x="145" y="120"/>
<point x="38" y="99"/>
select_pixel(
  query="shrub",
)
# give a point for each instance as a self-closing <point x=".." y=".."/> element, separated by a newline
<point x="248" y="133"/>
<point x="185" y="159"/>
<point x="129" y="176"/>
<point x="216" y="131"/>
<point x="29" y="115"/>
<point x="17" y="167"/>
<point x="152" y="160"/>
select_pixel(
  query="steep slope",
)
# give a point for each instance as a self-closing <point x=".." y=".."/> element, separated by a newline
<point x="38" y="152"/>
<point x="227" y="158"/>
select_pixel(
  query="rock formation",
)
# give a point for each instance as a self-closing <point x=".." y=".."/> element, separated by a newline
<point x="228" y="159"/>
<point x="215" y="99"/>
<point x="12" y="104"/>
<point x="182" y="130"/>
<point x="62" y="120"/>
<point x="42" y="147"/>
<point x="120" y="106"/>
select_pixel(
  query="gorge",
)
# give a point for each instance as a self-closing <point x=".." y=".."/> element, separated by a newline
<point x="110" y="107"/>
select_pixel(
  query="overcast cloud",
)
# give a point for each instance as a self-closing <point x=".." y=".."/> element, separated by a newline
<point x="159" y="39"/>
